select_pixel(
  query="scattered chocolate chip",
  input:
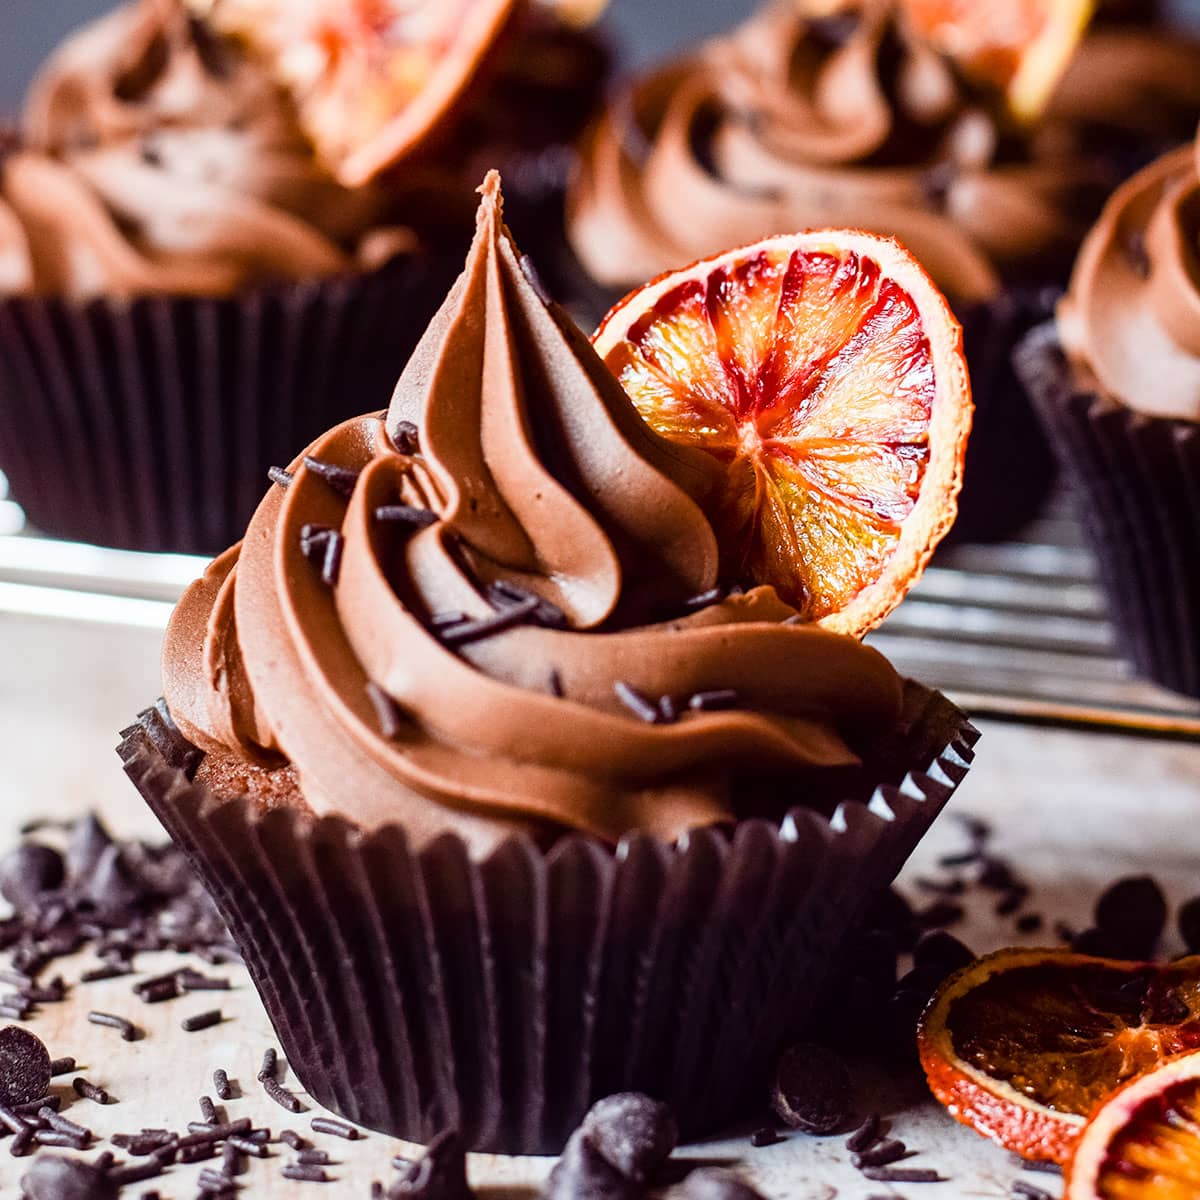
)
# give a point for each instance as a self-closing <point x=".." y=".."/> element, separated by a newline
<point x="25" y="1066"/>
<point x="405" y="437"/>
<point x="582" y="1173"/>
<point x="281" y="1095"/>
<point x="289" y="1137"/>
<point x="641" y="706"/>
<point x="407" y="515"/>
<point x="208" y="1110"/>
<point x="89" y="1091"/>
<point x="940" y="887"/>
<point x="631" y="1132"/>
<point x="270" y="1064"/>
<point x="342" y="1129"/>
<point x="710" y="1183"/>
<point x="52" y="1177"/>
<point x="713" y="700"/>
<point x="1132" y="914"/>
<point x="766" y="1136"/>
<point x="881" y="1154"/>
<point x="128" y="1030"/>
<point x="902" y="1174"/>
<point x="813" y="1090"/>
<point x="204" y="1020"/>
<point x="29" y="872"/>
<point x="279" y="476"/>
<point x="341" y="479"/>
<point x="221" y="1085"/>
<point x="304" y="1173"/>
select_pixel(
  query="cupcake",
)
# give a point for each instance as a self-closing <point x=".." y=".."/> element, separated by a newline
<point x="192" y="285"/>
<point x="803" y="118"/>
<point x="1116" y="380"/>
<point x="507" y="801"/>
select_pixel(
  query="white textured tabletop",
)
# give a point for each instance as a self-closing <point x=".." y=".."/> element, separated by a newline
<point x="1073" y="809"/>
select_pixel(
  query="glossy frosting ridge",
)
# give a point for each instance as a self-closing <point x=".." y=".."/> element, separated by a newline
<point x="549" y="492"/>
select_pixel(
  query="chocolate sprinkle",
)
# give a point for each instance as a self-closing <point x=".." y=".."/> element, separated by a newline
<point x="128" y="1030"/>
<point x="194" y="981"/>
<point x="337" y="1128"/>
<point x="766" y="1136"/>
<point x="208" y="1110"/>
<point x="341" y="479"/>
<point x="279" y="476"/>
<point x="221" y="1085"/>
<point x="270" y="1064"/>
<point x="880" y="1155"/>
<point x="387" y="714"/>
<point x="281" y="1095"/>
<point x="902" y="1174"/>
<point x="641" y="706"/>
<point x="289" y="1137"/>
<point x="716" y="698"/>
<point x="867" y="1134"/>
<point x="406" y="514"/>
<point x="556" y="683"/>
<point x="304" y="1172"/>
<point x="1029" y="1192"/>
<point x="405" y="437"/>
<point x="483" y="627"/>
<point x="331" y="565"/>
<point x="204" y="1020"/>
<point x="704" y="599"/>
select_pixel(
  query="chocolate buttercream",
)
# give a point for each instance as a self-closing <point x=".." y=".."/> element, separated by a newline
<point x="548" y="492"/>
<point x="1131" y="317"/>
<point x="797" y="121"/>
<point x="159" y="158"/>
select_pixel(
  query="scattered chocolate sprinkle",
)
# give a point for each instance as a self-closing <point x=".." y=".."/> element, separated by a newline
<point x="128" y="1030"/>
<point x="89" y="1091"/>
<point x="405" y="437"/>
<point x="214" y="1181"/>
<point x="667" y="711"/>
<point x="10" y="1120"/>
<point x="1028" y="1192"/>
<point x="25" y="1067"/>
<point x="341" y="479"/>
<point x="502" y="594"/>
<point x="280" y="476"/>
<point x="233" y="1156"/>
<point x="208" y="1110"/>
<point x="282" y="1096"/>
<point x="11" y="1012"/>
<point x="22" y="1142"/>
<point x="270" y="1063"/>
<point x="641" y="706"/>
<point x="716" y="698"/>
<point x="1036" y="1165"/>
<point x="766" y="1136"/>
<point x="331" y="565"/>
<point x="196" y="1151"/>
<point x="963" y="859"/>
<point x="939" y="914"/>
<point x="704" y="599"/>
<point x="313" y="541"/>
<point x="248" y="1145"/>
<point x="497" y="622"/>
<point x="387" y="714"/>
<point x="289" y="1137"/>
<point x="406" y="514"/>
<point x="1030" y="922"/>
<point x="34" y="1107"/>
<point x="338" y="1128"/>
<point x="867" y="1134"/>
<point x="881" y="1154"/>
<point x="1064" y="932"/>
<point x="156" y="993"/>
<point x="1188" y="922"/>
<point x="204" y="1020"/>
<point x="194" y="981"/>
<point x="902" y="1174"/>
<point x="64" y="1124"/>
<point x="108" y="971"/>
<point x="319" y="1157"/>
<point x="812" y="1089"/>
<point x="304" y="1173"/>
<point x="940" y="887"/>
<point x="556" y="683"/>
<point x="56" y="1138"/>
<point x="221" y="1085"/>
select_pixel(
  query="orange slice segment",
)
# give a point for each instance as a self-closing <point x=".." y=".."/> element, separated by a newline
<point x="371" y="78"/>
<point x="1019" y="47"/>
<point x="1024" y="1044"/>
<point x="825" y="372"/>
<point x="1145" y="1141"/>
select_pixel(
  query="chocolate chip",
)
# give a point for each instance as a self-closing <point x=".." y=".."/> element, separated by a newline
<point x="941" y="949"/>
<point x="766" y="1136"/>
<point x="86" y="842"/>
<point x="28" y="872"/>
<point x="24" y="1066"/>
<point x="1132" y="914"/>
<point x="631" y="1132"/>
<point x="1189" y="924"/>
<point x="439" y="1174"/>
<point x="813" y="1090"/>
<point x="583" y="1174"/>
<point x="54" y="1178"/>
<point x="714" y="1184"/>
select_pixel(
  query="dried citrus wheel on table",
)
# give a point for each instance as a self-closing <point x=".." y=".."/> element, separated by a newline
<point x="1145" y="1140"/>
<point x="1019" y="47"/>
<point x="371" y="78"/>
<point x="1024" y="1044"/>
<point x="825" y="372"/>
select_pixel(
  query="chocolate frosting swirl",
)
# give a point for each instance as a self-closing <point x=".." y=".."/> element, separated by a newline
<point x="159" y="158"/>
<point x="1131" y="317"/>
<point x="796" y="121"/>
<point x="550" y="494"/>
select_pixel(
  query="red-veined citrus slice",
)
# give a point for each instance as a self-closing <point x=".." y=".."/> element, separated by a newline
<point x="825" y="372"/>
<point x="1143" y="1143"/>
<point x="1019" y="47"/>
<point x="371" y="78"/>
<point x="1024" y="1044"/>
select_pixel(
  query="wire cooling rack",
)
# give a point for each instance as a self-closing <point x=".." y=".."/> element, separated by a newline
<point x="1017" y="629"/>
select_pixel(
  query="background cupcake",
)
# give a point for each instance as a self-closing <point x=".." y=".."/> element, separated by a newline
<point x="1116" y="380"/>
<point x="802" y="117"/>
<point x="189" y="290"/>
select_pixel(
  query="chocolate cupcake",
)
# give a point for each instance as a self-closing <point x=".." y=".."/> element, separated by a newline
<point x="1116" y="381"/>
<point x="801" y="119"/>
<point x="508" y="804"/>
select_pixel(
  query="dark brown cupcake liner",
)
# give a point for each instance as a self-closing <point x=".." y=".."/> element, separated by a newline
<point x="415" y="989"/>
<point x="1138" y="480"/>
<point x="1010" y="469"/>
<point x="149" y="424"/>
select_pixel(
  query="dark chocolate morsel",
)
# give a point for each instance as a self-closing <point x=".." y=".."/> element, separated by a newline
<point x="1132" y="913"/>
<point x="87" y="842"/>
<point x="583" y="1174"/>
<point x="714" y="1184"/>
<point x="631" y="1132"/>
<point x="24" y="1066"/>
<point x="112" y="886"/>
<point x="55" y="1178"/>
<point x="29" y="871"/>
<point x="942" y="950"/>
<point x="813" y="1090"/>
<point x="439" y="1174"/>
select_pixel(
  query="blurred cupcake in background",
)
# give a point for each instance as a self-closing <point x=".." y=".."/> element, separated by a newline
<point x="1116" y="380"/>
<point x="899" y="116"/>
<point x="195" y="278"/>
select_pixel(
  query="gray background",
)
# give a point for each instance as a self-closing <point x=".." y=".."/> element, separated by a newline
<point x="643" y="29"/>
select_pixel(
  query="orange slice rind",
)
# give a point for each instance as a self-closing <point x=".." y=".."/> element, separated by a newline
<point x="1022" y="1045"/>
<point x="824" y="371"/>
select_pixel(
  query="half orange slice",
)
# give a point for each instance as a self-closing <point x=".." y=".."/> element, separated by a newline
<point x="825" y="373"/>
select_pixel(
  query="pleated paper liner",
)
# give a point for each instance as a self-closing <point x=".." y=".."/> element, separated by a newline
<point x="1010" y="468"/>
<point x="415" y="990"/>
<point x="1138" y="480"/>
<point x="149" y="424"/>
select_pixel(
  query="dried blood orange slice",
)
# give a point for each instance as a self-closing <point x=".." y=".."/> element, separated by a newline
<point x="1018" y="47"/>
<point x="825" y="372"/>
<point x="371" y="78"/>
<point x="1024" y="1044"/>
<point x="1145" y="1139"/>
